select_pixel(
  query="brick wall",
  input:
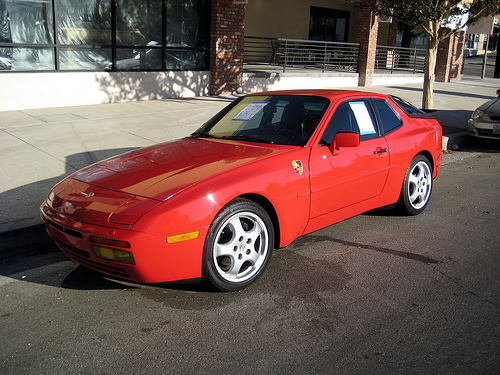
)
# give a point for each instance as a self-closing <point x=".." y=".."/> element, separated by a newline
<point x="366" y="36"/>
<point x="449" y="59"/>
<point x="226" y="47"/>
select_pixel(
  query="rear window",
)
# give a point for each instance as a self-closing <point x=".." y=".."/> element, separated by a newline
<point x="407" y="107"/>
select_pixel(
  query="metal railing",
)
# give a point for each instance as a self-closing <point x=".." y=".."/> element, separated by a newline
<point x="302" y="54"/>
<point x="400" y="59"/>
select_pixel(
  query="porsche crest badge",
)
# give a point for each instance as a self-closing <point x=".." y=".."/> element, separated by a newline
<point x="297" y="167"/>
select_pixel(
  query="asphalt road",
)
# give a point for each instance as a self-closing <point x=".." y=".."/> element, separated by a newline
<point x="378" y="294"/>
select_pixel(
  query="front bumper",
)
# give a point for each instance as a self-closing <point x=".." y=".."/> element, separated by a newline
<point x="484" y="129"/>
<point x="156" y="261"/>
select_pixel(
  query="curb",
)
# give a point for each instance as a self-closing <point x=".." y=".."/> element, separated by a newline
<point x="455" y="141"/>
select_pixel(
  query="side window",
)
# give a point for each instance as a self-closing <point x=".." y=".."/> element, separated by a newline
<point x="388" y="118"/>
<point x="353" y="116"/>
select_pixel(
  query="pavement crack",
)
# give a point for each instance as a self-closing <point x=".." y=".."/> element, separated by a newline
<point x="478" y="296"/>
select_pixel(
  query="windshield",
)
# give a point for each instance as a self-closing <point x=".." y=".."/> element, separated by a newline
<point x="277" y="119"/>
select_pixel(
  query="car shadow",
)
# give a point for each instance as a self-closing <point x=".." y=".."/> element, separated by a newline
<point x="20" y="208"/>
<point x="483" y="145"/>
<point x="452" y="121"/>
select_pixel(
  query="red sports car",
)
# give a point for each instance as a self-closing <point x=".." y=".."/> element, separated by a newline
<point x="267" y="169"/>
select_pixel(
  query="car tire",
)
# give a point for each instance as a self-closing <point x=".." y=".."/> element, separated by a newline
<point x="417" y="186"/>
<point x="238" y="245"/>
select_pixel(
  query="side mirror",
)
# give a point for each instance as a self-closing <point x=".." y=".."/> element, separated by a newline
<point x="343" y="140"/>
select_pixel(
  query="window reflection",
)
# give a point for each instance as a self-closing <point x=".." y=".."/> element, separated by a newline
<point x="185" y="23"/>
<point x="26" y="21"/>
<point x="138" y="22"/>
<point x="29" y="59"/>
<point x="85" y="59"/>
<point x="143" y="35"/>
<point x="139" y="58"/>
<point x="185" y="59"/>
<point x="84" y="22"/>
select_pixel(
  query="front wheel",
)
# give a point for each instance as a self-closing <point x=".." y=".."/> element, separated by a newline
<point x="238" y="245"/>
<point x="417" y="186"/>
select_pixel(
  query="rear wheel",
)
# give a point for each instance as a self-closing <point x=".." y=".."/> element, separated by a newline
<point x="417" y="186"/>
<point x="238" y="245"/>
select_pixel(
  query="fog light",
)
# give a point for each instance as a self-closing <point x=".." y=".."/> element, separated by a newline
<point x="114" y="255"/>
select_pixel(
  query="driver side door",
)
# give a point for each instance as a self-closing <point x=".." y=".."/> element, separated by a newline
<point x="353" y="174"/>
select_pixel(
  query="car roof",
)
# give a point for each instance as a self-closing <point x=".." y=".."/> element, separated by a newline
<point x="328" y="93"/>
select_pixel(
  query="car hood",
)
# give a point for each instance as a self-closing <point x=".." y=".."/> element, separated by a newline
<point x="491" y="107"/>
<point x="161" y="171"/>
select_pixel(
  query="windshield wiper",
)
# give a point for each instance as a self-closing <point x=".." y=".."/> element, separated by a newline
<point x="242" y="137"/>
<point x="203" y="135"/>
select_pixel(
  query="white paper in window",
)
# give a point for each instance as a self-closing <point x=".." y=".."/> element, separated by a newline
<point x="363" y="118"/>
<point x="249" y="111"/>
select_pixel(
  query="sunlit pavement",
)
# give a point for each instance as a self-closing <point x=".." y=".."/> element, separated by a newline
<point x="42" y="146"/>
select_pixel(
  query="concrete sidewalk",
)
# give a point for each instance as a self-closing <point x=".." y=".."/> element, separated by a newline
<point x="41" y="146"/>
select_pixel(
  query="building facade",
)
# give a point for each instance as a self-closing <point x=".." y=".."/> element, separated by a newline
<point x="74" y="52"/>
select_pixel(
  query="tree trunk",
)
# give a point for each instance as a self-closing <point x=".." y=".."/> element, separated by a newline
<point x="430" y="66"/>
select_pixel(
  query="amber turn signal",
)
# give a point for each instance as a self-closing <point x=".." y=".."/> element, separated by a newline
<point x="183" y="237"/>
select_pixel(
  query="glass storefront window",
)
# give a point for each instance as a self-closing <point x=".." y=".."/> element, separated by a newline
<point x="85" y="59"/>
<point x="26" y="21"/>
<point x="331" y="25"/>
<point x="121" y="35"/>
<point x="28" y="59"/>
<point x="138" y="22"/>
<point x="6" y="58"/>
<point x="185" y="60"/>
<point x="185" y="23"/>
<point x="138" y="58"/>
<point x="86" y="22"/>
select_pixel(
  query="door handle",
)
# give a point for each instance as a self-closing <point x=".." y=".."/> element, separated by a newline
<point x="380" y="151"/>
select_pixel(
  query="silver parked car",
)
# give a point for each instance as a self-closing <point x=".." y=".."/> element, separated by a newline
<point x="485" y="121"/>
